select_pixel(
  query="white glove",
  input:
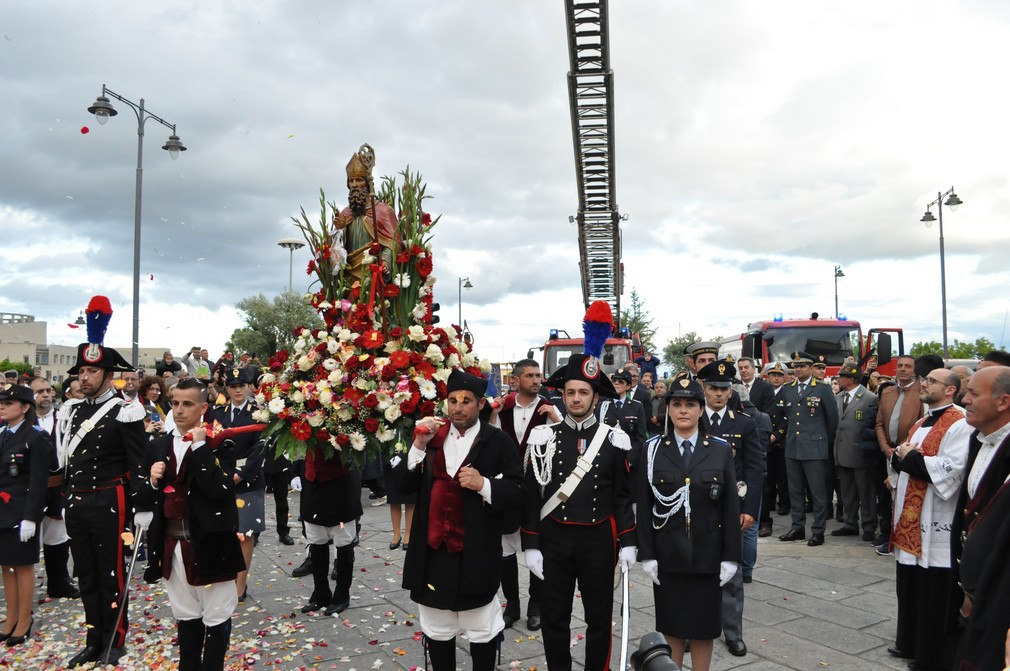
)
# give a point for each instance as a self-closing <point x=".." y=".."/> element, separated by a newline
<point x="27" y="530"/>
<point x="296" y="483"/>
<point x="535" y="562"/>
<point x="628" y="557"/>
<point x="651" y="568"/>
<point x="727" y="570"/>
<point x="143" y="519"/>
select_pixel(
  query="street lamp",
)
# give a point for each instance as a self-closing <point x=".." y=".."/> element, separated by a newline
<point x="103" y="109"/>
<point x="464" y="283"/>
<point x="952" y="202"/>
<point x="838" y="273"/>
<point x="291" y="244"/>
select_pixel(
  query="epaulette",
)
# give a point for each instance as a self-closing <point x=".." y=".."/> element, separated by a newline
<point x="540" y="435"/>
<point x="38" y="428"/>
<point x="717" y="440"/>
<point x="131" y="411"/>
<point x="64" y="411"/>
<point x="620" y="439"/>
<point x="652" y="441"/>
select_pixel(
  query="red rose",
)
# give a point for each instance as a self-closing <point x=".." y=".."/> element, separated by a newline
<point x="321" y="347"/>
<point x="396" y="332"/>
<point x="388" y="372"/>
<point x="282" y="356"/>
<point x="408" y="407"/>
<point x="371" y="401"/>
<point x="424" y="267"/>
<point x="427" y="408"/>
<point x="343" y="440"/>
<point x="415" y="358"/>
<point x="371" y="425"/>
<point x="475" y="371"/>
<point x="322" y="436"/>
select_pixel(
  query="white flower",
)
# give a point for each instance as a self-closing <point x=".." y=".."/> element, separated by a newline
<point x="419" y="311"/>
<point x="357" y="441"/>
<point x="450" y="332"/>
<point x="325" y="305"/>
<point x="336" y="376"/>
<point x="268" y="378"/>
<point x="316" y="419"/>
<point x="261" y="415"/>
<point x="462" y="347"/>
<point x="424" y="291"/>
<point x="416" y="333"/>
<point x="367" y="259"/>
<point x="344" y="413"/>
<point x="400" y="396"/>
<point x="434" y="354"/>
<point x="332" y="346"/>
<point x="452" y="361"/>
<point x="297" y="396"/>
<point x="468" y="360"/>
<point x="392" y="346"/>
<point x="260" y="399"/>
<point x="276" y="405"/>
<point x="379" y="362"/>
<point x="392" y="413"/>
<point x="299" y="345"/>
<point x="361" y="383"/>
<point x="426" y="388"/>
<point x="325" y="396"/>
<point x="321" y="334"/>
<point x="430" y="281"/>
<point x="330" y="364"/>
<point x="345" y="335"/>
<point x="443" y="374"/>
<point x="384" y="400"/>
<point x="402" y="280"/>
<point x="385" y="434"/>
<point x="305" y="363"/>
<point x="333" y="441"/>
<point x="400" y="446"/>
<point x="485" y="366"/>
<point x="306" y="333"/>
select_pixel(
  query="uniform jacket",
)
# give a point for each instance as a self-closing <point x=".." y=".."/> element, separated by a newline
<point x="213" y="514"/>
<point x="748" y="453"/>
<point x="811" y="419"/>
<point x="715" y="507"/>
<point x="112" y="450"/>
<point x="633" y="419"/>
<point x="494" y="456"/>
<point x="248" y="446"/>
<point x="603" y="494"/>
<point x="911" y="410"/>
<point x="29" y="452"/>
<point x="856" y="436"/>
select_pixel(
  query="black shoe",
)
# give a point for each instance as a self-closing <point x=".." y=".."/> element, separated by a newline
<point x="337" y="607"/>
<point x="895" y="652"/>
<point x="373" y="496"/>
<point x="815" y="540"/>
<point x="115" y="654"/>
<point x="533" y="622"/>
<point x="510" y="619"/>
<point x="18" y="640"/>
<point x="86" y="656"/>
<point x="393" y="546"/>
<point x="312" y="606"/>
<point x="882" y="539"/>
<point x="65" y="590"/>
<point x="285" y="539"/>
<point x="304" y="569"/>
<point x="868" y="536"/>
<point x="765" y="532"/>
<point x="736" y="648"/>
<point x="245" y="595"/>
<point x="782" y="511"/>
<point x="845" y="531"/>
<point x="793" y="535"/>
<point x="405" y="546"/>
<point x="748" y="578"/>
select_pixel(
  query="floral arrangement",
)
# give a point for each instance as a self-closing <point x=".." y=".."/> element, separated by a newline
<point x="359" y="385"/>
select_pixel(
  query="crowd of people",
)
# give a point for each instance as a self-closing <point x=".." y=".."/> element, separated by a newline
<point x="582" y="473"/>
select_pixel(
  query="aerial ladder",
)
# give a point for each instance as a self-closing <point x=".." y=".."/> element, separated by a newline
<point x="591" y="98"/>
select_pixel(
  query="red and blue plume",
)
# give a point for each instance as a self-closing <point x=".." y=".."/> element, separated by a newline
<point x="99" y="313"/>
<point x="597" y="326"/>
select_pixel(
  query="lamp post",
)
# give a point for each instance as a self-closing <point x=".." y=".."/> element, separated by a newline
<point x="464" y="283"/>
<point x="838" y="273"/>
<point x="291" y="244"/>
<point x="103" y="109"/>
<point x="952" y="202"/>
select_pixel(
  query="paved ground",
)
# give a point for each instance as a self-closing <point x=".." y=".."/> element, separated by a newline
<point x="808" y="608"/>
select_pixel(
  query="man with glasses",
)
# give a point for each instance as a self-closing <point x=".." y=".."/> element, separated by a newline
<point x="930" y="468"/>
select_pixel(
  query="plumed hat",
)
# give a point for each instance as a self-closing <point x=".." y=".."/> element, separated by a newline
<point x="93" y="352"/>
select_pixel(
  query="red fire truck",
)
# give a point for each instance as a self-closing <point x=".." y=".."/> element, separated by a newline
<point x="828" y="340"/>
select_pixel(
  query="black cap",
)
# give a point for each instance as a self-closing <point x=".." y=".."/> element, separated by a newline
<point x="850" y="370"/>
<point x="685" y="388"/>
<point x="17" y="392"/>
<point x="718" y="373"/>
<point x="585" y="368"/>
<point x="621" y="375"/>
<point x="461" y="381"/>
<point x="99" y="356"/>
<point x="801" y="359"/>
<point x="237" y="376"/>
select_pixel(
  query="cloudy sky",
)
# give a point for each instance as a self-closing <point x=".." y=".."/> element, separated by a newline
<point x="759" y="144"/>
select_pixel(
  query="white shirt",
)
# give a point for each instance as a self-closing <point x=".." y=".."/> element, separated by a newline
<point x="985" y="455"/>
<point x="522" y="415"/>
<point x="455" y="448"/>
<point x="48" y="422"/>
<point x="709" y="412"/>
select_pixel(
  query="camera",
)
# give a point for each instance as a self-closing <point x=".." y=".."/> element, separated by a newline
<point x="653" y="654"/>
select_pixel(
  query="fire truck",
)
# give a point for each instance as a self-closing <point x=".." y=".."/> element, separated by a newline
<point x="827" y="340"/>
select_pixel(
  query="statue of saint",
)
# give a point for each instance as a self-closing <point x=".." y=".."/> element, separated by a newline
<point x="365" y="220"/>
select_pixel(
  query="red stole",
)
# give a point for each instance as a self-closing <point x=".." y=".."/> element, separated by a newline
<point x="445" y="510"/>
<point x="319" y="468"/>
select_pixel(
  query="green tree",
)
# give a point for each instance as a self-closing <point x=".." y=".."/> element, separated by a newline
<point x="21" y="368"/>
<point x="956" y="349"/>
<point x="637" y="320"/>
<point x="673" y="353"/>
<point x="270" y="325"/>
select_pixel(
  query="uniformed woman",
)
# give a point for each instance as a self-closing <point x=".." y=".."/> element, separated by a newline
<point x="688" y="525"/>
<point x="26" y="454"/>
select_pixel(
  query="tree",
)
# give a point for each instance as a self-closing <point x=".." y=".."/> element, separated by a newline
<point x="270" y="325"/>
<point x="673" y="353"/>
<point x="637" y="320"/>
<point x="956" y="349"/>
<point x="21" y="368"/>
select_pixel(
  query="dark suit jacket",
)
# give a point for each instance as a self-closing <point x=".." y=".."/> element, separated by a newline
<point x="30" y="451"/>
<point x="911" y="411"/>
<point x="494" y="456"/>
<point x="248" y="446"/>
<point x="633" y="420"/>
<point x="715" y="507"/>
<point x="741" y="432"/>
<point x="213" y="514"/>
<point x="762" y="395"/>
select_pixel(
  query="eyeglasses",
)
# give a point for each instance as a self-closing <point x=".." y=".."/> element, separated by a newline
<point x="929" y="380"/>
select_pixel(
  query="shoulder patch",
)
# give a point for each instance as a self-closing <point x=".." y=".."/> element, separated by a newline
<point x="620" y="439"/>
<point x="540" y="435"/>
<point x="64" y="410"/>
<point x="131" y="411"/>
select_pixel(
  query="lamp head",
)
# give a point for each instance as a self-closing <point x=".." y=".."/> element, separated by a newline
<point x="928" y="218"/>
<point x="953" y="201"/>
<point x="173" y="146"/>
<point x="102" y="109"/>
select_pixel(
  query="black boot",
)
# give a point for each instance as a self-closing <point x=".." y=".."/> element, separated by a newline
<point x="321" y="593"/>
<point x="58" y="582"/>
<point x="510" y="588"/>
<point x="216" y="646"/>
<point x="344" y="565"/>
<point x="305" y="568"/>
<point x="191" y="634"/>
<point x="483" y="654"/>
<point x="442" y="654"/>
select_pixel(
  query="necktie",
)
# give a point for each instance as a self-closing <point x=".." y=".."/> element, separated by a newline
<point x="619" y="404"/>
<point x="803" y="388"/>
<point x="845" y="401"/>
<point x="686" y="447"/>
<point x="233" y="414"/>
<point x="715" y="421"/>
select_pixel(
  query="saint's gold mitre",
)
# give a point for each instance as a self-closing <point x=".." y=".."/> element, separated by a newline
<point x="361" y="163"/>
